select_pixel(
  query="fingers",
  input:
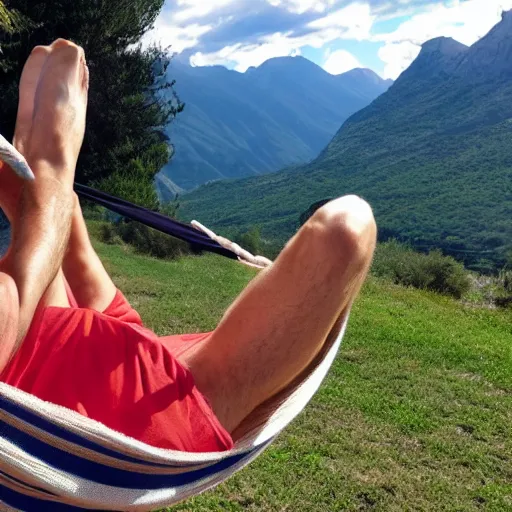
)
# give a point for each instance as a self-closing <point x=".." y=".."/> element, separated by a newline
<point x="27" y="92"/>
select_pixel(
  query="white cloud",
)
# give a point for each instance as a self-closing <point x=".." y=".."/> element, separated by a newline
<point x="397" y="57"/>
<point x="466" y="21"/>
<point x="176" y="29"/>
<point x="193" y="9"/>
<point x="243" y="57"/>
<point x="168" y="34"/>
<point x="351" y="22"/>
<point x="341" y="61"/>
<point x="302" y="6"/>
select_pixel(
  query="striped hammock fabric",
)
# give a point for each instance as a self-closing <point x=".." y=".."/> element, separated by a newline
<point x="53" y="459"/>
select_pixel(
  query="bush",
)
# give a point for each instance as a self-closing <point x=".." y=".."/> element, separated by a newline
<point x="144" y="240"/>
<point x="249" y="240"/>
<point x="109" y="235"/>
<point x="433" y="271"/>
<point x="504" y="295"/>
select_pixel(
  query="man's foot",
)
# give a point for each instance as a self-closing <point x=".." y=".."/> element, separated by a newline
<point x="10" y="184"/>
<point x="27" y="94"/>
<point x="56" y="78"/>
<point x="60" y="107"/>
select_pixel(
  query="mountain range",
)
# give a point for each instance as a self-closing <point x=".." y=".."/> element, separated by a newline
<point x="433" y="155"/>
<point x="279" y="114"/>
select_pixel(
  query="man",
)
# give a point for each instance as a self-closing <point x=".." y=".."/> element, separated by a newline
<point x="68" y="336"/>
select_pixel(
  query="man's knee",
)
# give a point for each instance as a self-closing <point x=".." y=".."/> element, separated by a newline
<point x="346" y="224"/>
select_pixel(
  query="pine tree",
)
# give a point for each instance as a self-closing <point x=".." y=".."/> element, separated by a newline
<point x="127" y="111"/>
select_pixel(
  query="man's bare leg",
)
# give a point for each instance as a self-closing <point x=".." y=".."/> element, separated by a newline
<point x="41" y="229"/>
<point x="279" y="324"/>
<point x="55" y="294"/>
<point x="89" y="281"/>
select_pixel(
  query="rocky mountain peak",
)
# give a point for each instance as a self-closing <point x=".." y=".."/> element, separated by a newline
<point x="437" y="56"/>
<point x="491" y="56"/>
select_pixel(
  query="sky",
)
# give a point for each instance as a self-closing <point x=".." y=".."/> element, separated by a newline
<point x="338" y="35"/>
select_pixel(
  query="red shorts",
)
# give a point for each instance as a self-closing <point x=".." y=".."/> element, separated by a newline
<point x="110" y="368"/>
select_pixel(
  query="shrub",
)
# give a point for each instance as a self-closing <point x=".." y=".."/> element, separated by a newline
<point x="144" y="239"/>
<point x="504" y="295"/>
<point x="249" y="240"/>
<point x="108" y="234"/>
<point x="433" y="271"/>
<point x="151" y="242"/>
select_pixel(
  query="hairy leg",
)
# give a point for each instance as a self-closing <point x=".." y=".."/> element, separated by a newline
<point x="274" y="330"/>
<point x="55" y="294"/>
<point x="41" y="228"/>
<point x="89" y="281"/>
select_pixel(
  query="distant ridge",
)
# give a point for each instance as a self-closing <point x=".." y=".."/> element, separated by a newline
<point x="281" y="113"/>
<point x="433" y="155"/>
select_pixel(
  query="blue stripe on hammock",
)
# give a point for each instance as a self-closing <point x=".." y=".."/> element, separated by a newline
<point x="99" y="473"/>
<point x="29" y="504"/>
<point x="17" y="480"/>
<point x="46" y="425"/>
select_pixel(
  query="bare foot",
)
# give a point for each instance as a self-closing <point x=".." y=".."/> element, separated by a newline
<point x="60" y="107"/>
<point x="11" y="184"/>
<point x="27" y="94"/>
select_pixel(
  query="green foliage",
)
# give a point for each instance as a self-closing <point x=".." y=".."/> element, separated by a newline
<point x="433" y="158"/>
<point x="250" y="240"/>
<point x="305" y="216"/>
<point x="143" y="239"/>
<point x="432" y="271"/>
<point x="504" y="295"/>
<point x="171" y="208"/>
<point x="10" y="20"/>
<point x="127" y="105"/>
<point x="109" y="234"/>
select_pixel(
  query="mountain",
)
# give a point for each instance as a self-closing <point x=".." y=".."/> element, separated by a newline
<point x="433" y="155"/>
<point x="166" y="189"/>
<point x="240" y="124"/>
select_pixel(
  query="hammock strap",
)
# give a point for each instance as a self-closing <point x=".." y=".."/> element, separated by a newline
<point x="154" y="220"/>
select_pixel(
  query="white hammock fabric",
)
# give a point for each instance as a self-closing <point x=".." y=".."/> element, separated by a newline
<point x="54" y="459"/>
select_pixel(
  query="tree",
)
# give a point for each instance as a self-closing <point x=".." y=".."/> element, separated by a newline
<point x="250" y="240"/>
<point x="130" y="98"/>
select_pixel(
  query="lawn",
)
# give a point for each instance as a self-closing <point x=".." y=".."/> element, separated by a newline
<point x="416" y="413"/>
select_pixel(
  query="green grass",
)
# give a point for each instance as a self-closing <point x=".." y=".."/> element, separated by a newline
<point x="416" y="413"/>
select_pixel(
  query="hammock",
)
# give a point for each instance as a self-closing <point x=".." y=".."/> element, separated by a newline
<point x="54" y="459"/>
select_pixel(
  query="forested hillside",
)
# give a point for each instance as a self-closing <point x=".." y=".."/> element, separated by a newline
<point x="243" y="124"/>
<point x="432" y="155"/>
